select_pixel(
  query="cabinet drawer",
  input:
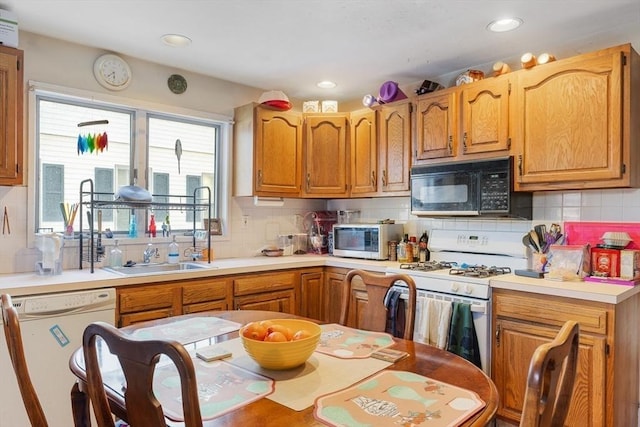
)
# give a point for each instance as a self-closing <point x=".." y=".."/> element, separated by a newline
<point x="263" y="283"/>
<point x="208" y="290"/>
<point x="148" y="298"/>
<point x="553" y="311"/>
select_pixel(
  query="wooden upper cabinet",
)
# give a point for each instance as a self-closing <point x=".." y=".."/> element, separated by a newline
<point x="485" y="116"/>
<point x="436" y="126"/>
<point x="11" y="114"/>
<point x="325" y="156"/>
<point x="277" y="153"/>
<point x="576" y="125"/>
<point x="394" y="139"/>
<point x="364" y="153"/>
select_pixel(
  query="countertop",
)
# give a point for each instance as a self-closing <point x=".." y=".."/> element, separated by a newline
<point x="77" y="280"/>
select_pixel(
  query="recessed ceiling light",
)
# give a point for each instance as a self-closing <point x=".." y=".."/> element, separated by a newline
<point x="506" y="24"/>
<point x="326" y="84"/>
<point x="176" y="40"/>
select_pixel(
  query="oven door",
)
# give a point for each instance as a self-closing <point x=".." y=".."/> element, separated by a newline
<point x="450" y="193"/>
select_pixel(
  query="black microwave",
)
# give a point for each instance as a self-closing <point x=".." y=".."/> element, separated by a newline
<point x="479" y="188"/>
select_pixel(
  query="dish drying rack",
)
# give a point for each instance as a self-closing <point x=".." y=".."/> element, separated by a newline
<point x="92" y="250"/>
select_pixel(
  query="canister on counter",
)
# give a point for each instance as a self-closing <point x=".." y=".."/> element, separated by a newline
<point x="629" y="264"/>
<point x="605" y="262"/>
<point x="393" y="248"/>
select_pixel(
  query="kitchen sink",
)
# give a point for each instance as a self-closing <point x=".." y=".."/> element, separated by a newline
<point x="155" y="268"/>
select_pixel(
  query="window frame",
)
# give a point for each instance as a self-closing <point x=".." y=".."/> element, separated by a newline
<point x="138" y="161"/>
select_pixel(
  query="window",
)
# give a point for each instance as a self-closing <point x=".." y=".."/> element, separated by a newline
<point x="79" y="138"/>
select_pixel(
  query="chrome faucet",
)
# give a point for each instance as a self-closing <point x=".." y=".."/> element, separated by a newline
<point x="148" y="253"/>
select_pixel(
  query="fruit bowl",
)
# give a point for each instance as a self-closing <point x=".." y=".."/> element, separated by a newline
<point x="285" y="354"/>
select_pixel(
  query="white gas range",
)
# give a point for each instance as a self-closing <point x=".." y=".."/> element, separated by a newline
<point x="460" y="267"/>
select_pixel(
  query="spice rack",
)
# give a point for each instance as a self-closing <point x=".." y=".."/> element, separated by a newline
<point x="92" y="201"/>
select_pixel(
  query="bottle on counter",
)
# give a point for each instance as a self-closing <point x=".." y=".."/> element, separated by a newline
<point x="402" y="251"/>
<point x="173" y="255"/>
<point x="152" y="226"/>
<point x="414" y="248"/>
<point x="115" y="256"/>
<point x="423" y="252"/>
<point x="393" y="250"/>
<point x="408" y="249"/>
<point x="133" y="227"/>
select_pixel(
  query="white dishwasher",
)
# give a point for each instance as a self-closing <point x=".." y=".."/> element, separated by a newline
<point x="52" y="327"/>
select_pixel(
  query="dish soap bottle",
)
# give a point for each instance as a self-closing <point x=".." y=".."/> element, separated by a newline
<point x="133" y="228"/>
<point x="173" y="256"/>
<point x="115" y="257"/>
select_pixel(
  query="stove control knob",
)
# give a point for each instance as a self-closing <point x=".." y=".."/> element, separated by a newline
<point x="468" y="289"/>
<point x="454" y="287"/>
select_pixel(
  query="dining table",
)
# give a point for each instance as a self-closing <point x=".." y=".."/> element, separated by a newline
<point x="422" y="359"/>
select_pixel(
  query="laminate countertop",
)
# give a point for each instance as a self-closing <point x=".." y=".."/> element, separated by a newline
<point x="76" y="280"/>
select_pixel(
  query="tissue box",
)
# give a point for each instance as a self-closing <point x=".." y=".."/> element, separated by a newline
<point x="629" y="264"/>
<point x="329" y="106"/>
<point x="8" y="29"/>
<point x="311" y="107"/>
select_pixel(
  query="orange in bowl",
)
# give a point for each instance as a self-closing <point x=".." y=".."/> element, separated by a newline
<point x="281" y="355"/>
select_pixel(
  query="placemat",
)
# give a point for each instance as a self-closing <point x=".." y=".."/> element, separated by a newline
<point x="188" y="330"/>
<point x="349" y="343"/>
<point x="222" y="387"/>
<point x="297" y="388"/>
<point x="393" y="398"/>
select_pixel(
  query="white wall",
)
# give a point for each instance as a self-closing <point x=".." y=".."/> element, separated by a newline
<point x="66" y="64"/>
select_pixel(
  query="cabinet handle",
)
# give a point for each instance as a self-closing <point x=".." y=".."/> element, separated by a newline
<point x="520" y="164"/>
<point x="498" y="336"/>
<point x="308" y="181"/>
<point x="450" y="144"/>
<point x="373" y="178"/>
<point x="260" y="177"/>
<point x="464" y="142"/>
<point x="384" y="177"/>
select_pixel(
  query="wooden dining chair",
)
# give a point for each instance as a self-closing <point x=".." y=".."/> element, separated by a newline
<point x="138" y="359"/>
<point x="364" y="307"/>
<point x="550" y="381"/>
<point x="13" y="336"/>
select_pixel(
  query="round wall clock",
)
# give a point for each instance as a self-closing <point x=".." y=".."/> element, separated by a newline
<point x="112" y="72"/>
<point x="177" y="83"/>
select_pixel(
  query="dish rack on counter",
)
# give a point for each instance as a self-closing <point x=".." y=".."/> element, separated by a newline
<point x="91" y="201"/>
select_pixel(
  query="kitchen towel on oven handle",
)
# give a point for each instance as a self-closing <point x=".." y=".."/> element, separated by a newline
<point x="463" y="340"/>
<point x="433" y="318"/>
<point x="396" y="313"/>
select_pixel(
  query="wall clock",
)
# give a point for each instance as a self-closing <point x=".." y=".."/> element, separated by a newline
<point x="177" y="84"/>
<point x="112" y="72"/>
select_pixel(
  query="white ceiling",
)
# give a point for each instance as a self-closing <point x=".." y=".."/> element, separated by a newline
<point x="290" y="45"/>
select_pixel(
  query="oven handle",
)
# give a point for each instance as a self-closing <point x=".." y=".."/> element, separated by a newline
<point x="475" y="308"/>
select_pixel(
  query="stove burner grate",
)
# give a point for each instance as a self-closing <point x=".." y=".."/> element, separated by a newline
<point x="479" y="271"/>
<point x="427" y="265"/>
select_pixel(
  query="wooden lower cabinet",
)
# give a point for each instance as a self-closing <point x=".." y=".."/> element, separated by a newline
<point x="606" y="388"/>
<point x="312" y="294"/>
<point x="267" y="291"/>
<point x="147" y="302"/>
<point x="333" y="289"/>
<point x="207" y="295"/>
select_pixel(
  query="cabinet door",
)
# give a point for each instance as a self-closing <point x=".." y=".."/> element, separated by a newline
<point x="282" y="301"/>
<point x="312" y="295"/>
<point x="333" y="289"/>
<point x="325" y="156"/>
<point x="395" y="147"/>
<point x="364" y="153"/>
<point x="436" y="127"/>
<point x="147" y="303"/>
<point x="514" y="345"/>
<point x="569" y="122"/>
<point x="11" y="113"/>
<point x="278" y="153"/>
<point x="206" y="294"/>
<point x="485" y="116"/>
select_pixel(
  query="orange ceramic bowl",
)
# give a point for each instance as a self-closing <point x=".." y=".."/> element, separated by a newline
<point x="283" y="355"/>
